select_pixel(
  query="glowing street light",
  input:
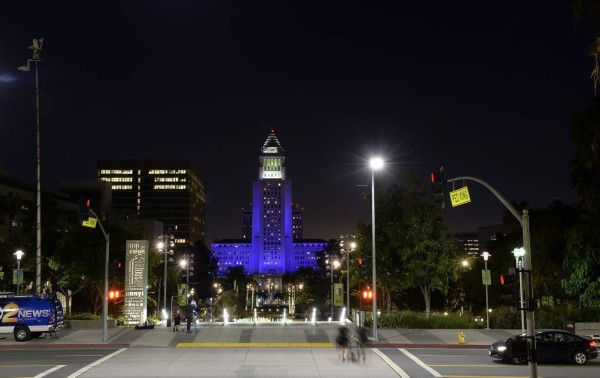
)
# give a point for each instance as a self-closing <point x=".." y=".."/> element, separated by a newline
<point x="166" y="241"/>
<point x="19" y="254"/>
<point x="376" y="163"/>
<point x="519" y="253"/>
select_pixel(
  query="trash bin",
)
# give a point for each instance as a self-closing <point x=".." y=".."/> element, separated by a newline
<point x="570" y="326"/>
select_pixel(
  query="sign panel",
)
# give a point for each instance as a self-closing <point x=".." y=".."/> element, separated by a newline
<point x="90" y="222"/>
<point x="136" y="282"/>
<point x="338" y="294"/>
<point x="460" y="196"/>
<point x="486" y="277"/>
<point x="182" y="293"/>
<point x="17" y="277"/>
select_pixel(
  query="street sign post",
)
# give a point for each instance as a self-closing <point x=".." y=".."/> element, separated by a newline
<point x="460" y="196"/>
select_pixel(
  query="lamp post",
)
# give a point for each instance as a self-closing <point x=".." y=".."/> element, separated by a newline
<point x="486" y="256"/>
<point x="347" y="252"/>
<point x="36" y="48"/>
<point x="376" y="164"/>
<point x="332" y="265"/>
<point x="185" y="264"/>
<point x="519" y="253"/>
<point x="19" y="254"/>
<point x="163" y="245"/>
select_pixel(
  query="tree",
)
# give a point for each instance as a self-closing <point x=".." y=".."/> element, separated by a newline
<point x="583" y="261"/>
<point x="428" y="261"/>
<point x="81" y="252"/>
<point x="585" y="174"/>
<point x="592" y="9"/>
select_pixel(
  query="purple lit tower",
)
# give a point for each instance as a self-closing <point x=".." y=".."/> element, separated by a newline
<point x="271" y="243"/>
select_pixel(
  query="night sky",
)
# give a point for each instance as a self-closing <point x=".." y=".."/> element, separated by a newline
<point x="485" y="89"/>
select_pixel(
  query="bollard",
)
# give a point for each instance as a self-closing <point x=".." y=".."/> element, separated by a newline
<point x="461" y="337"/>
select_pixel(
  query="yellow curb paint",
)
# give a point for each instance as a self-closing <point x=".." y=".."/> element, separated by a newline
<point x="254" y="345"/>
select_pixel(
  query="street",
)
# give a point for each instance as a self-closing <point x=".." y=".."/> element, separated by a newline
<point x="268" y="362"/>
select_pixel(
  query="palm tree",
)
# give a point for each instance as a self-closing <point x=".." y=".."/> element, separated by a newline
<point x="585" y="175"/>
<point x="592" y="9"/>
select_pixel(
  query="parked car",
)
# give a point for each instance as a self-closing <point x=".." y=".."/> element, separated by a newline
<point x="552" y="345"/>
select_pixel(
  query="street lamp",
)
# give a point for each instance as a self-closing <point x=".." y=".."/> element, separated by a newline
<point x="166" y="241"/>
<point x="376" y="164"/>
<point x="332" y="265"/>
<point x="185" y="264"/>
<point x="36" y="48"/>
<point x="19" y="254"/>
<point x="519" y="253"/>
<point x="486" y="256"/>
<point x="347" y="252"/>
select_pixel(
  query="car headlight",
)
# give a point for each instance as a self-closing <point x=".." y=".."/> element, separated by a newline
<point x="501" y="348"/>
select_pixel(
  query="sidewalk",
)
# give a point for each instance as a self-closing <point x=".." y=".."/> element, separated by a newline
<point x="300" y="334"/>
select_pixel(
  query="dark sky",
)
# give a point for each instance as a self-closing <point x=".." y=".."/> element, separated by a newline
<point x="486" y="89"/>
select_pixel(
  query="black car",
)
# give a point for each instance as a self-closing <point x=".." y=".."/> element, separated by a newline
<point x="552" y="346"/>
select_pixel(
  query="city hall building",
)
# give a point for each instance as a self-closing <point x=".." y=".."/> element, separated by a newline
<point x="272" y="242"/>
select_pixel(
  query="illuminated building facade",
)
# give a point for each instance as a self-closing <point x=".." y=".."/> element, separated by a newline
<point x="169" y="191"/>
<point x="272" y="229"/>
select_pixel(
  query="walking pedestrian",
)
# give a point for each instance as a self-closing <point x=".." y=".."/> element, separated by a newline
<point x="176" y="315"/>
<point x="343" y="342"/>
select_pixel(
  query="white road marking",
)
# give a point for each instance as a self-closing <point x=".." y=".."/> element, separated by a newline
<point x="95" y="363"/>
<point x="420" y="363"/>
<point x="388" y="361"/>
<point x="49" y="371"/>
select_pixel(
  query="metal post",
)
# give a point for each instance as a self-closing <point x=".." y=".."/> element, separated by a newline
<point x="348" y="284"/>
<point x="165" y="249"/>
<point x="532" y="360"/>
<point x="487" y="308"/>
<point x="373" y="257"/>
<point x="36" y="48"/>
<point x="38" y="254"/>
<point x="105" y="295"/>
<point x="18" y="275"/>
<point x="522" y="304"/>
<point x="331" y="286"/>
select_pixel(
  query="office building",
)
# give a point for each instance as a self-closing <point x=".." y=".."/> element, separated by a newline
<point x="168" y="191"/>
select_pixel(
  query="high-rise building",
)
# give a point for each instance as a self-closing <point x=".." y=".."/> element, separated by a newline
<point x="168" y="191"/>
<point x="272" y="231"/>
<point x="467" y="242"/>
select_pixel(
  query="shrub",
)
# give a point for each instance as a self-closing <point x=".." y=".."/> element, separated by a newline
<point x="412" y="320"/>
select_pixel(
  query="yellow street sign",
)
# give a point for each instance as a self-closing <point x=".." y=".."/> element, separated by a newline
<point x="460" y="196"/>
<point x="90" y="222"/>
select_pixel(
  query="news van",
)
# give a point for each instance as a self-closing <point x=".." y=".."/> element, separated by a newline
<point x="29" y="315"/>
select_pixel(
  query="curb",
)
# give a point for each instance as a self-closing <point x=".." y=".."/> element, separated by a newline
<point x="60" y="346"/>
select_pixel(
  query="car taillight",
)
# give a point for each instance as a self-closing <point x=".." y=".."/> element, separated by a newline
<point x="592" y="344"/>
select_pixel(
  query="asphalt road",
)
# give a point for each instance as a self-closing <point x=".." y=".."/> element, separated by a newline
<point x="269" y="362"/>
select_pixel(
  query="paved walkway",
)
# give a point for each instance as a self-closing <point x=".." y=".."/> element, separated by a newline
<point x="304" y="335"/>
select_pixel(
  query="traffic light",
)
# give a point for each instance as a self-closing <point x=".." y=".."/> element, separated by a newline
<point x="367" y="295"/>
<point x="438" y="186"/>
<point x="84" y="209"/>
<point x="117" y="265"/>
<point x="363" y="267"/>
<point x="509" y="288"/>
<point x="114" y="295"/>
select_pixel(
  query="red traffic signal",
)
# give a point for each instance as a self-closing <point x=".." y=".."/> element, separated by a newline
<point x="113" y="295"/>
<point x="360" y="261"/>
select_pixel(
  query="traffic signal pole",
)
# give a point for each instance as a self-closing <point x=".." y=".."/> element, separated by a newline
<point x="530" y="307"/>
<point x="105" y="294"/>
